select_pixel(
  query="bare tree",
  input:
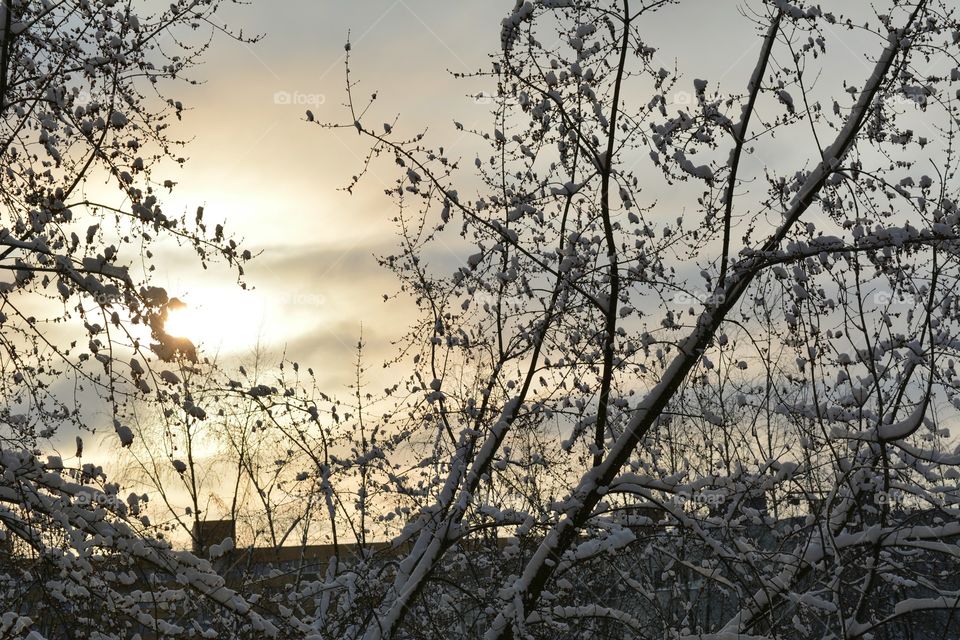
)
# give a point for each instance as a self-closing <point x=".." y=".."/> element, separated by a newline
<point x="84" y="102"/>
<point x="685" y="382"/>
<point x="758" y="375"/>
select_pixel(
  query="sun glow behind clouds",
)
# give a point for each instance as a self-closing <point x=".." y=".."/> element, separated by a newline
<point x="219" y="321"/>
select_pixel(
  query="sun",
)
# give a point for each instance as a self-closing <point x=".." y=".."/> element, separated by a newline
<point x="220" y="323"/>
<point x="184" y="322"/>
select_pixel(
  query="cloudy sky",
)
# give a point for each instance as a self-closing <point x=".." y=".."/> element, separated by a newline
<point x="277" y="180"/>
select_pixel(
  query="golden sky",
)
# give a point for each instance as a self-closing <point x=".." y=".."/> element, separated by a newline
<point x="255" y="162"/>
